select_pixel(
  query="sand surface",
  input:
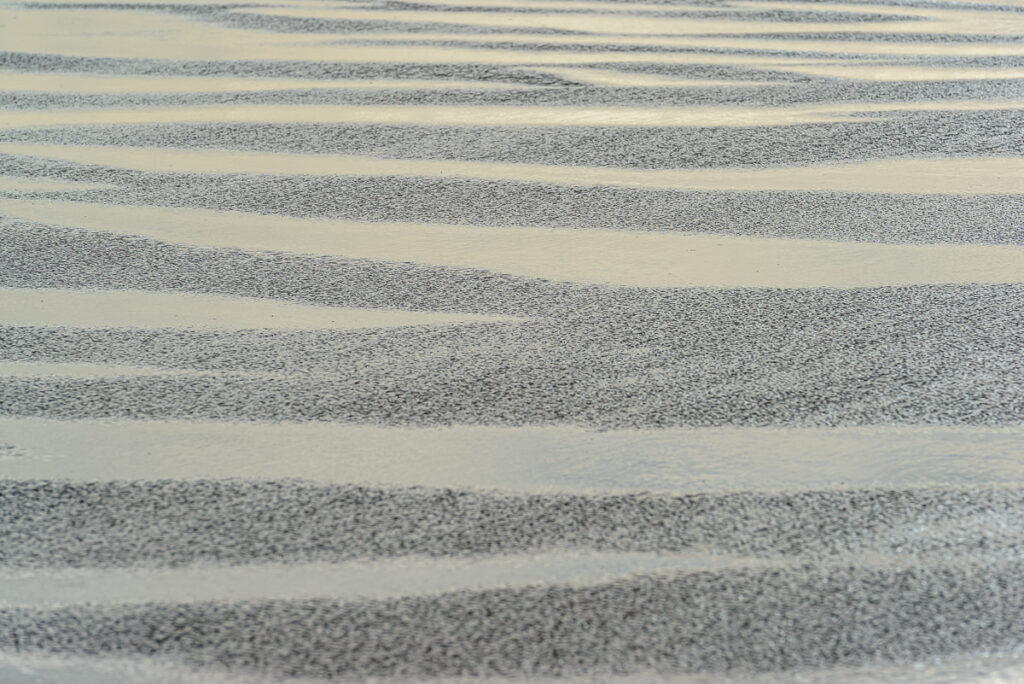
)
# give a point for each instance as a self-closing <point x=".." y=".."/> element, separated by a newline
<point x="545" y="340"/>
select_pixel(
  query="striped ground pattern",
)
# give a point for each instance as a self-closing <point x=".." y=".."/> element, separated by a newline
<point x="558" y="340"/>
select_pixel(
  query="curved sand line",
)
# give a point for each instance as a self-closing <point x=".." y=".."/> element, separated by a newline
<point x="638" y="259"/>
<point x="145" y="309"/>
<point x="964" y="176"/>
<point x="515" y="459"/>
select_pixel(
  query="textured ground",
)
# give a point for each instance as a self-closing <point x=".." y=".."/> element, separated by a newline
<point x="627" y="470"/>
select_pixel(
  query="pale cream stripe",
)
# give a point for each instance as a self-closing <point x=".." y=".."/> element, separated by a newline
<point x="345" y="581"/>
<point x="957" y="20"/>
<point x="146" y="309"/>
<point x="145" y="35"/>
<point x="635" y="79"/>
<point x="950" y="176"/>
<point x="485" y="115"/>
<point x="851" y="48"/>
<point x="531" y="459"/>
<point x="102" y="83"/>
<point x="586" y="256"/>
<point x="22" y="184"/>
<point x="576" y="5"/>
<point x="47" y="369"/>
<point x="611" y="24"/>
<point x="915" y="72"/>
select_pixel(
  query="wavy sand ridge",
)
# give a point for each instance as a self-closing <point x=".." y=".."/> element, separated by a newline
<point x="545" y="339"/>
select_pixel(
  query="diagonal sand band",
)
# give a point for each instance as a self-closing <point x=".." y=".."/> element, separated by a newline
<point x="954" y="21"/>
<point x="892" y="73"/>
<point x="23" y="184"/>
<point x="489" y="115"/>
<point x="527" y="459"/>
<point x="642" y="259"/>
<point x="610" y="78"/>
<point x="145" y="309"/>
<point x="348" y="581"/>
<point x="851" y="48"/>
<point x="109" y="83"/>
<point x="948" y="176"/>
<point x="149" y="35"/>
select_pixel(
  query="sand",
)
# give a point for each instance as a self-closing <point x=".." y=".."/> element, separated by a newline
<point x="548" y="340"/>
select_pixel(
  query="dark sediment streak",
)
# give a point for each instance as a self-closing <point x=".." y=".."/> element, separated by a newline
<point x="120" y="524"/>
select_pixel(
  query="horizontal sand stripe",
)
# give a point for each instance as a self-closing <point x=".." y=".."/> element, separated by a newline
<point x="491" y="115"/>
<point x="108" y="83"/>
<point x="146" y="309"/>
<point x="615" y="25"/>
<point x="144" y="35"/>
<point x="342" y="581"/>
<point x="59" y="4"/>
<point x="573" y="5"/>
<point x="23" y="184"/>
<point x="633" y="79"/>
<point x="39" y="668"/>
<point x="395" y="578"/>
<point x="888" y="72"/>
<point x="641" y="259"/>
<point x="952" y="20"/>
<point x="520" y="459"/>
<point x="946" y="176"/>
<point x="132" y="34"/>
<point x="853" y="48"/>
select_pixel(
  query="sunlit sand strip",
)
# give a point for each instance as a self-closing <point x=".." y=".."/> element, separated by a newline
<point x="22" y="184"/>
<point x="632" y="79"/>
<point x="485" y="115"/>
<point x="347" y="51"/>
<point x="935" y="19"/>
<point x="950" y="176"/>
<point x="908" y="72"/>
<point x="828" y="47"/>
<point x="612" y="24"/>
<point x="520" y="459"/>
<point x="144" y="309"/>
<point x="347" y="581"/>
<point x="134" y="34"/>
<point x="275" y="3"/>
<point x="25" y="667"/>
<point x="102" y="83"/>
<point x="641" y="259"/>
<point x="147" y="35"/>
<point x="574" y="5"/>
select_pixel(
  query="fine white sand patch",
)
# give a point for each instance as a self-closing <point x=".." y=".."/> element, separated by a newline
<point x="907" y="72"/>
<point x="23" y="184"/>
<point x="947" y="176"/>
<point x="853" y="48"/>
<point x="652" y="259"/>
<point x="487" y="115"/>
<point x="150" y="35"/>
<point x="342" y="581"/>
<point x="927" y="20"/>
<point x="110" y="83"/>
<point x="523" y="459"/>
<point x="636" y="79"/>
<point x="146" y="309"/>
